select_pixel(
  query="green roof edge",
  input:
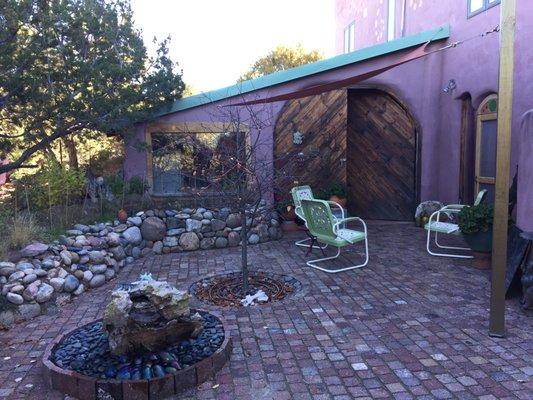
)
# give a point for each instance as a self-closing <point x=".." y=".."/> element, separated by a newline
<point x="306" y="70"/>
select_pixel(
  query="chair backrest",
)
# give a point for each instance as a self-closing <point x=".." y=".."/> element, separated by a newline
<point x="480" y="196"/>
<point x="300" y="193"/>
<point x="318" y="218"/>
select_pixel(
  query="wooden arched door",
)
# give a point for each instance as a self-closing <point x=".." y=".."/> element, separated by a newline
<point x="381" y="157"/>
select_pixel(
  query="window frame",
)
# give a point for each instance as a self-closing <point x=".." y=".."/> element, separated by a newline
<point x="185" y="128"/>
<point x="391" y="33"/>
<point x="486" y="5"/>
<point x="349" y="33"/>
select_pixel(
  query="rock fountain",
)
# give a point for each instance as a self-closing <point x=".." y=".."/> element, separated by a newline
<point x="150" y="344"/>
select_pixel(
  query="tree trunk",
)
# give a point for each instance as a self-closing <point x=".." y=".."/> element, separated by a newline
<point x="244" y="253"/>
<point x="72" y="152"/>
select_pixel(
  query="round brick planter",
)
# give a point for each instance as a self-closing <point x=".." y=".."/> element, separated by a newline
<point x="85" y="387"/>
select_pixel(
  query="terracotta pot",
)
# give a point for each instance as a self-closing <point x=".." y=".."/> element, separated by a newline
<point x="289" y="226"/>
<point x="340" y="200"/>
<point x="482" y="260"/>
<point x="122" y="215"/>
<point x="289" y="214"/>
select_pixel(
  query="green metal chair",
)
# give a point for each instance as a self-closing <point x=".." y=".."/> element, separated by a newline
<point x="328" y="230"/>
<point x="300" y="193"/>
<point x="448" y="228"/>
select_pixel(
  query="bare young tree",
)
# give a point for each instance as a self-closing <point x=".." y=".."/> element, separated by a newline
<point x="235" y="164"/>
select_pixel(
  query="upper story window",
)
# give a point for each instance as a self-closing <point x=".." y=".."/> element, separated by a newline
<point x="477" y="6"/>
<point x="349" y="38"/>
<point x="391" y="20"/>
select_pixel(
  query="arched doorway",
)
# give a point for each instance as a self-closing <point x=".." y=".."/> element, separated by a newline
<point x="381" y="157"/>
<point x="486" y="135"/>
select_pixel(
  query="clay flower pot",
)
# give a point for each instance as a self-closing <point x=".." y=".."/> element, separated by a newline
<point x="339" y="200"/>
<point x="122" y="215"/>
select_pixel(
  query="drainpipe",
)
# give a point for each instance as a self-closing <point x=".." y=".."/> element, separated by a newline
<point x="402" y="27"/>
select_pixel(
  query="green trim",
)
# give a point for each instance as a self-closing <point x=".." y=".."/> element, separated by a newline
<point x="307" y="70"/>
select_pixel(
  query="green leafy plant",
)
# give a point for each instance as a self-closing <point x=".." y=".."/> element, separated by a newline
<point x="474" y="219"/>
<point x="136" y="185"/>
<point x="52" y="185"/>
<point x="338" y="189"/>
<point x="116" y="184"/>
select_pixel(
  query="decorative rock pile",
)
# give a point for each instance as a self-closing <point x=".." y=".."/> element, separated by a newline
<point x="149" y="315"/>
<point x="90" y="255"/>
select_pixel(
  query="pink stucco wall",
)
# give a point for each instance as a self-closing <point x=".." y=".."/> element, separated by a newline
<point x="473" y="65"/>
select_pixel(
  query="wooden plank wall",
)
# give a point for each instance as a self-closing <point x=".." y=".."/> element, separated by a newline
<point x="322" y="121"/>
<point x="381" y="157"/>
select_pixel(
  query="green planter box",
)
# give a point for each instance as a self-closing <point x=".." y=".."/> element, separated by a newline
<point x="480" y="241"/>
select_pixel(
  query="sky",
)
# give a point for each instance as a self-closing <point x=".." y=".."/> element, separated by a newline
<point x="216" y="41"/>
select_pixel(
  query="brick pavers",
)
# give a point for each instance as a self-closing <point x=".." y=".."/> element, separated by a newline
<point x="406" y="326"/>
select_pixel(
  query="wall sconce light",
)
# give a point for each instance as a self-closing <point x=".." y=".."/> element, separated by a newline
<point x="297" y="138"/>
<point x="450" y="87"/>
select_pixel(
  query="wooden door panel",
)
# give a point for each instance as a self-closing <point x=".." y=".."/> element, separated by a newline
<point x="381" y="156"/>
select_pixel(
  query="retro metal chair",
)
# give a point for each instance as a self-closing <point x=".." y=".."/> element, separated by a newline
<point x="437" y="226"/>
<point x="327" y="230"/>
<point x="300" y="193"/>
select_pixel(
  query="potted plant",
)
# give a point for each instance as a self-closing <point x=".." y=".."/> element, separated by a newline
<point x="475" y="223"/>
<point x="337" y="193"/>
<point x="286" y="210"/>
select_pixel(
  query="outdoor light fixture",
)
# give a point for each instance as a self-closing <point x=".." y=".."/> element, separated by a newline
<point x="450" y="86"/>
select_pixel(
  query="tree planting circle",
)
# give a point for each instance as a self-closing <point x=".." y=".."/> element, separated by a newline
<point x="227" y="290"/>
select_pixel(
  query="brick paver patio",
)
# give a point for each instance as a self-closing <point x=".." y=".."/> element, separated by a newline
<point x="406" y="326"/>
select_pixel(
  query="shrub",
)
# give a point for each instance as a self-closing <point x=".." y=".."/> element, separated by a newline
<point x="473" y="219"/>
<point x="136" y="185"/>
<point x="116" y="184"/>
<point x="51" y="186"/>
<point x="22" y="229"/>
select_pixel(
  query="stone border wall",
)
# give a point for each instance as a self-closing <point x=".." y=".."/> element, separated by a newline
<point x="87" y="388"/>
<point x="90" y="255"/>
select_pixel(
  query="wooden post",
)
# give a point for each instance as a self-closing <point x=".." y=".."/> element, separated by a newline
<point x="501" y="202"/>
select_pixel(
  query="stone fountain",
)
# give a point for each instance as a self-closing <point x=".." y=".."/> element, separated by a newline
<point x="149" y="315"/>
<point x="150" y="345"/>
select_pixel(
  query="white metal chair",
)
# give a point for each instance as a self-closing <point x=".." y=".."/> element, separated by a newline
<point x="327" y="229"/>
<point x="437" y="226"/>
<point x="300" y="193"/>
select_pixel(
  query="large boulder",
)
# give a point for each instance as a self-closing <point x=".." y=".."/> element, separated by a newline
<point x="233" y="220"/>
<point x="14" y="298"/>
<point x="133" y="235"/>
<point x="34" y="249"/>
<point x="193" y="225"/>
<point x="44" y="293"/>
<point x="153" y="229"/>
<point x="71" y="283"/>
<point x="189" y="241"/>
<point x="234" y="238"/>
<point x="217" y="224"/>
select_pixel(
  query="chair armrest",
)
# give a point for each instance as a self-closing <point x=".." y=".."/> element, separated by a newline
<point x="451" y="208"/>
<point x="344" y="220"/>
<point x="336" y="205"/>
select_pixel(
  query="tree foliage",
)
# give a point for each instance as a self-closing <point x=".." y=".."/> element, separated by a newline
<point x="75" y="67"/>
<point x="281" y="58"/>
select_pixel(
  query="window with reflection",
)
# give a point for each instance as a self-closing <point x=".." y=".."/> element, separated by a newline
<point x="196" y="163"/>
<point x="477" y="6"/>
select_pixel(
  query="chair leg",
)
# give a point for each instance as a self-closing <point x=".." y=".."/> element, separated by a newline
<point x="302" y="243"/>
<point x="333" y="271"/>
<point x="428" y="241"/>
